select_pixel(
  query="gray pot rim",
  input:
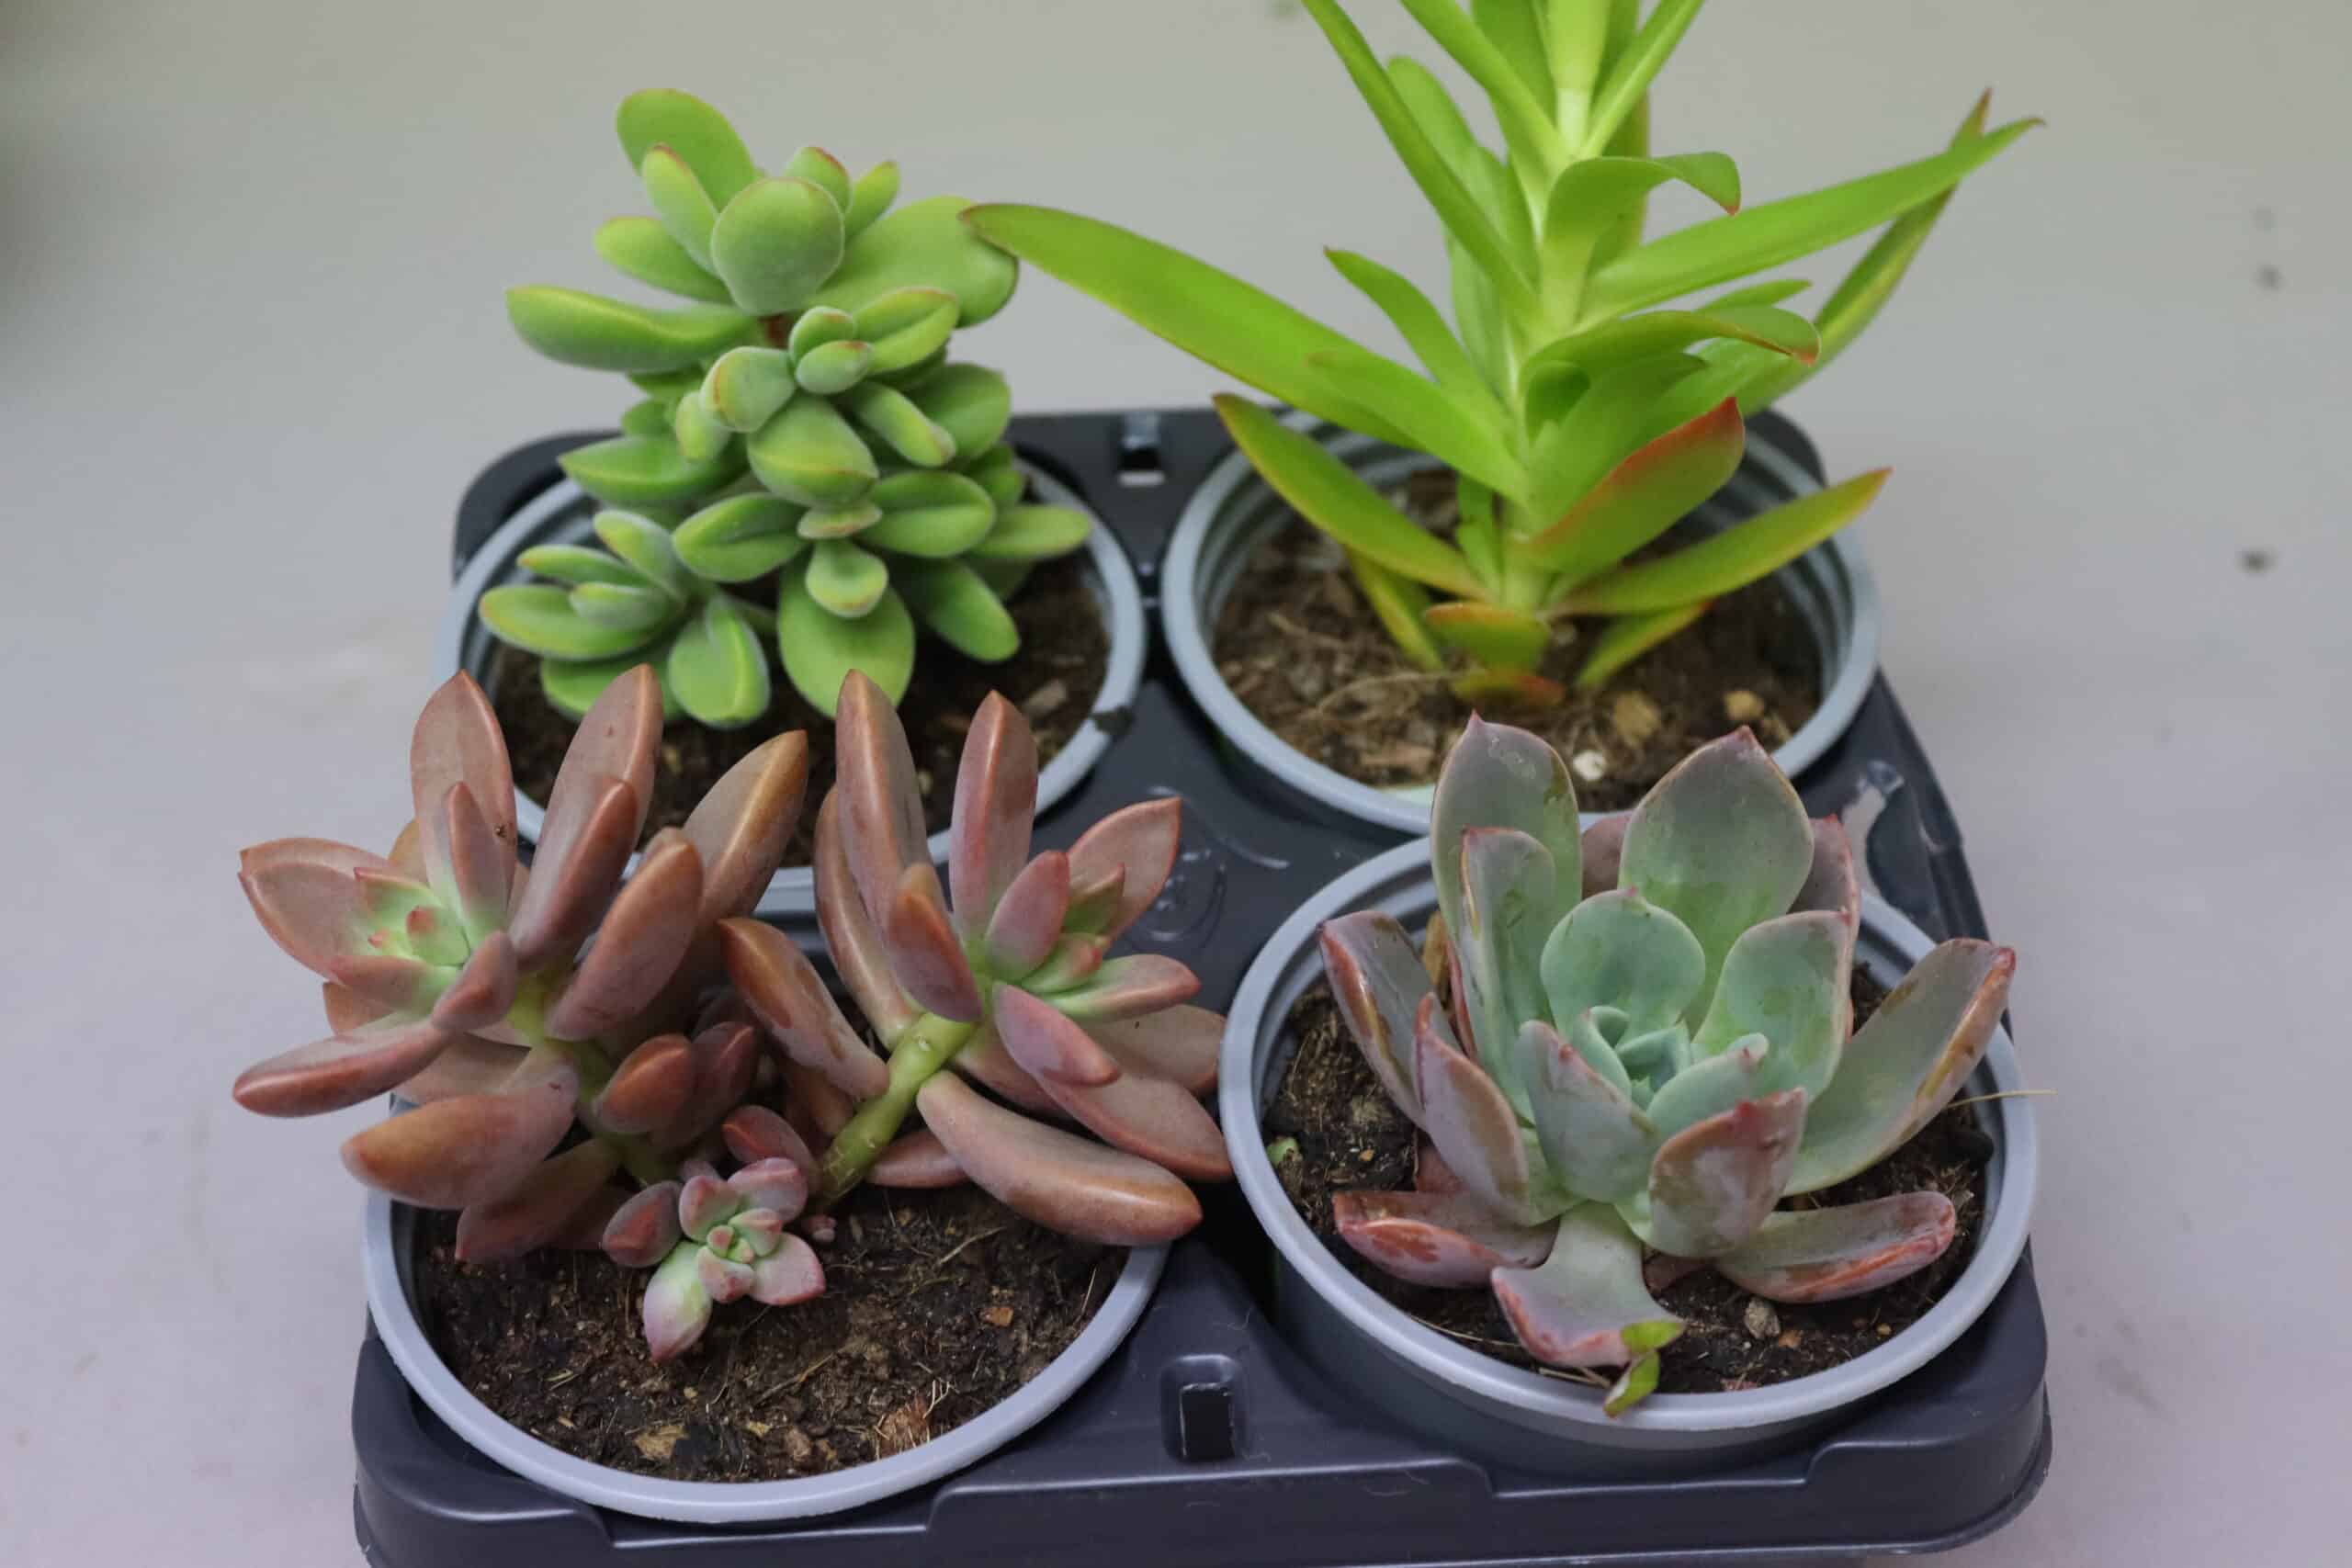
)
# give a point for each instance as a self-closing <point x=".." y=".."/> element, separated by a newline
<point x="792" y="891"/>
<point x="1406" y="809"/>
<point x="720" y="1503"/>
<point x="1398" y="879"/>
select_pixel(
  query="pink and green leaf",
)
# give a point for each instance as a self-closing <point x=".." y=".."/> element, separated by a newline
<point x="1826" y="1255"/>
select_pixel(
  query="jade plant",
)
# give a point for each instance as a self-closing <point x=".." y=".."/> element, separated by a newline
<point x="582" y="1044"/>
<point x="1644" y="1043"/>
<point x="804" y="466"/>
<point x="1579" y="422"/>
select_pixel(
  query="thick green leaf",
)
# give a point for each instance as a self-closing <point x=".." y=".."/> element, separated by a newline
<point x="1643" y="496"/>
<point x="598" y="333"/>
<point x="934" y="514"/>
<point x="630" y="607"/>
<point x="818" y="326"/>
<point x="1213" y="315"/>
<point x="970" y="402"/>
<point x="746" y="386"/>
<point x="1629" y="637"/>
<point x="1600" y="430"/>
<point x="1575" y="43"/>
<point x="1594" y="193"/>
<point x="838" y="522"/>
<point x="695" y="132"/>
<point x="1760" y="237"/>
<point x="998" y="471"/>
<point x="1732" y="558"/>
<point x="821" y="169"/>
<point x="820" y="649"/>
<point x="636" y="470"/>
<point x="832" y="368"/>
<point x="1634" y="67"/>
<point x="1455" y="206"/>
<point x="572" y="686"/>
<point x="1493" y="635"/>
<point x="1515" y="29"/>
<point x="684" y="208"/>
<point x="776" y="243"/>
<point x="1457" y="433"/>
<point x="716" y="670"/>
<point x="740" y="537"/>
<point x="847" y="581"/>
<point x="960" y="609"/>
<point x="1032" y="533"/>
<point x="650" y="416"/>
<point x="870" y="198"/>
<point x="1400" y="602"/>
<point x="578" y="563"/>
<point x="1525" y="118"/>
<point x="640" y="248"/>
<point x="1329" y="495"/>
<point x="906" y="326"/>
<point x="808" y="454"/>
<point x="538" y="617"/>
<point x="892" y="415"/>
<point x="1771" y="291"/>
<point x="924" y="242"/>
<point x="699" y="432"/>
<point x="1857" y="299"/>
<point x="1423" y="330"/>
<point x="1477" y="316"/>
<point x="1611" y="346"/>
<point x="646" y="545"/>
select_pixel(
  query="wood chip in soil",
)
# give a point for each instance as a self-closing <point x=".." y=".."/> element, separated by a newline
<point x="937" y="1307"/>
<point x="1351" y="1137"/>
<point x="1055" y="677"/>
<point x="1302" y="650"/>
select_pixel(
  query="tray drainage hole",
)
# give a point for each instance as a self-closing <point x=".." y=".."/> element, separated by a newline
<point x="1140" y="462"/>
<point x="1205" y="1421"/>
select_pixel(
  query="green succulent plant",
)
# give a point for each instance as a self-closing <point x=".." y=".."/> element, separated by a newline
<point x="1579" y="422"/>
<point x="1646" y="1043"/>
<point x="799" y="422"/>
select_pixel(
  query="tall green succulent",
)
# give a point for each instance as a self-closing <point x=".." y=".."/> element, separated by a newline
<point x="1646" y="1042"/>
<point x="1578" y="429"/>
<point x="799" y="420"/>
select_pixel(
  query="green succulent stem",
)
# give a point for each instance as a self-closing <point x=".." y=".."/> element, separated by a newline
<point x="528" y="1018"/>
<point x="928" y="1046"/>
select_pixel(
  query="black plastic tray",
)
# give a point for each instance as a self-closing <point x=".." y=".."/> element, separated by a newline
<point x="1205" y="1438"/>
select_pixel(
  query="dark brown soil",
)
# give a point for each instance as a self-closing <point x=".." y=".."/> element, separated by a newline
<point x="1303" y="651"/>
<point x="1055" y="677"/>
<point x="937" y="1307"/>
<point x="1351" y="1136"/>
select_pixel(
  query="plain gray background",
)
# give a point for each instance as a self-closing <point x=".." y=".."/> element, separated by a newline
<point x="250" y="268"/>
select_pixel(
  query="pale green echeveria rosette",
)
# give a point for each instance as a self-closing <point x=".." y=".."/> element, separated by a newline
<point x="1645" y="1045"/>
<point x="801" y="436"/>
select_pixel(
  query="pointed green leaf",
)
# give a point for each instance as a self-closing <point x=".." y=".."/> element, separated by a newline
<point x="578" y="563"/>
<point x="870" y="198"/>
<point x="1499" y="776"/>
<point x="1329" y="494"/>
<point x="1400" y="603"/>
<point x="746" y="386"/>
<point x="571" y="687"/>
<point x="1525" y="120"/>
<point x="699" y="432"/>
<point x="1515" y="29"/>
<point x="1634" y="67"/>
<point x="1492" y="635"/>
<point x="1643" y="496"/>
<point x="924" y="242"/>
<point x="931" y="514"/>
<point x="1423" y="330"/>
<point x="808" y="454"/>
<point x="1033" y="533"/>
<point x="692" y="129"/>
<point x="832" y="368"/>
<point x="1576" y="42"/>
<point x="776" y="243"/>
<point x="624" y="607"/>
<point x="666" y="387"/>
<point x="739" y="537"/>
<point x="1613" y="345"/>
<point x="960" y="609"/>
<point x="717" y="669"/>
<point x="906" y="429"/>
<point x="821" y="169"/>
<point x="538" y="617"/>
<point x="1210" y="314"/>
<point x="637" y="471"/>
<point x="649" y="417"/>
<point x="640" y="248"/>
<point x="820" y="649"/>
<point x="1457" y="207"/>
<point x="1601" y="428"/>
<point x="1760" y="237"/>
<point x="684" y="208"/>
<point x="906" y="326"/>
<point x="597" y="333"/>
<point x="1627" y="637"/>
<point x="998" y="471"/>
<point x="838" y="522"/>
<point x="1458" y="434"/>
<point x="1784" y="980"/>
<point x="1732" y="558"/>
<point x="970" y="402"/>
<point x="1771" y="291"/>
<point x="1596" y="193"/>
<point x="844" y="579"/>
<point x="1593" y="1136"/>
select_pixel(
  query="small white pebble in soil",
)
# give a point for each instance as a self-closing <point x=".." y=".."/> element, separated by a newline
<point x="1762" y="1322"/>
<point x="1743" y="706"/>
<point x="1592" y="765"/>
